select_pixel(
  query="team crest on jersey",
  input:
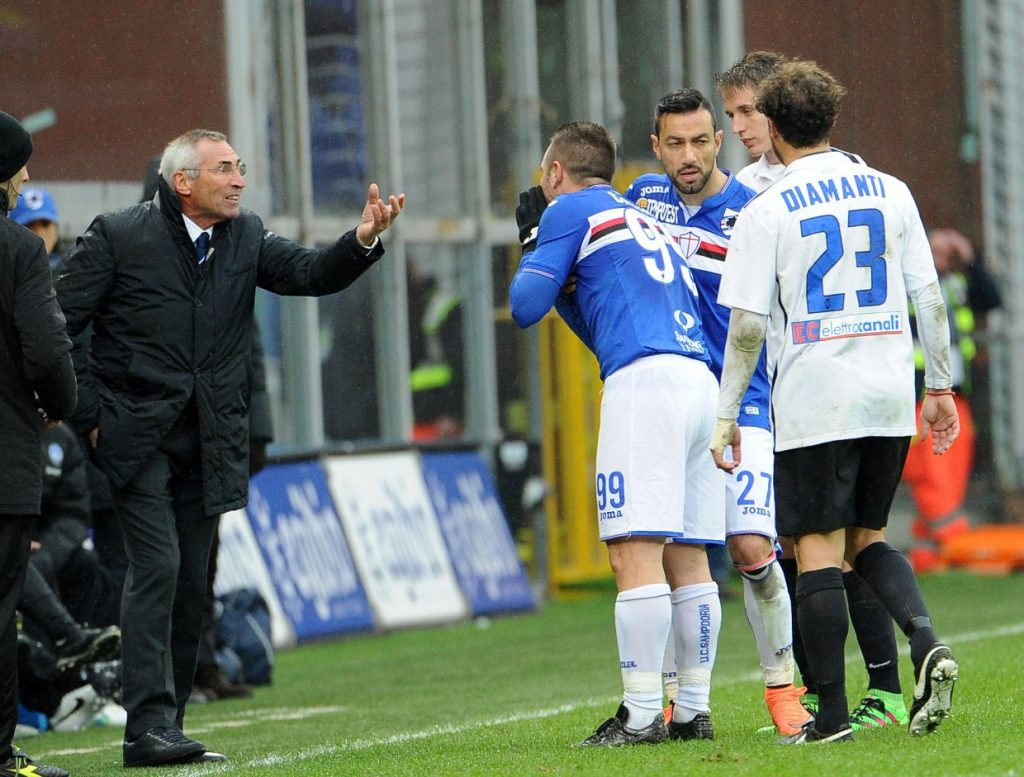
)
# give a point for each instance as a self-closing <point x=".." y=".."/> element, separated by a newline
<point x="689" y="242"/>
<point x="728" y="222"/>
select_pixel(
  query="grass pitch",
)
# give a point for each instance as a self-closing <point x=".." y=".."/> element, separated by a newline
<point x="513" y="695"/>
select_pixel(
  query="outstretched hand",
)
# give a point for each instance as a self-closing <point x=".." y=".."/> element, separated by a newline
<point x="378" y="215"/>
<point x="939" y="417"/>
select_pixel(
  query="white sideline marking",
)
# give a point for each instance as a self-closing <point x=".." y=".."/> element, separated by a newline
<point x="248" y="717"/>
<point x="395" y="739"/>
<point x="254" y="716"/>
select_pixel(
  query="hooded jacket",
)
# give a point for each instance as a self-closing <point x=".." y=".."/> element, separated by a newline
<point x="35" y="365"/>
<point x="167" y="329"/>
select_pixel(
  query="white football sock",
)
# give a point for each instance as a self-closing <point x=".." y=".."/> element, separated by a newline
<point x="669" y="678"/>
<point x="766" y="601"/>
<point x="697" y="620"/>
<point x="643" y="622"/>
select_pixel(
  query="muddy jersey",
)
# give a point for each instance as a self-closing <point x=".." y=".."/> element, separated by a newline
<point x="830" y="253"/>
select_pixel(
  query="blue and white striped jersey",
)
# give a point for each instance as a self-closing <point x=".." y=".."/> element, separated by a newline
<point x="704" y="240"/>
<point x="634" y="294"/>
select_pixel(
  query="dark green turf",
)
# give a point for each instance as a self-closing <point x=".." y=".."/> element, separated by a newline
<point x="513" y="697"/>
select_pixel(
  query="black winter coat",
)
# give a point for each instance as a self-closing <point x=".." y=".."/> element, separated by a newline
<point x="35" y="361"/>
<point x="166" y="329"/>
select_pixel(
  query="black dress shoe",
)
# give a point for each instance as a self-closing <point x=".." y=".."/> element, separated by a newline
<point x="208" y="757"/>
<point x="161" y="745"/>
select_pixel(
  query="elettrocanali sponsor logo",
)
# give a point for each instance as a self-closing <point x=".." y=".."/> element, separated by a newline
<point x="818" y="330"/>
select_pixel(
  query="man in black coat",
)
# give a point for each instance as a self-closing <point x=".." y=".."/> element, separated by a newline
<point x="169" y="287"/>
<point x="37" y="386"/>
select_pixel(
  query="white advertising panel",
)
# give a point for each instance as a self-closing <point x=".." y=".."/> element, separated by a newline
<point x="395" y="539"/>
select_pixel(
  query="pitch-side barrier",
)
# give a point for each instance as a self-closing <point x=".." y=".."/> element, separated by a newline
<point x="373" y="542"/>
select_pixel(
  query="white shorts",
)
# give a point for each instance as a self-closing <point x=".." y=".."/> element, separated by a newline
<point x="750" y="491"/>
<point x="655" y="474"/>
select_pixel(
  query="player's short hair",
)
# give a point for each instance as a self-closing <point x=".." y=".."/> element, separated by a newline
<point x="585" y="149"/>
<point x="748" y="71"/>
<point x="803" y="100"/>
<point x="683" y="101"/>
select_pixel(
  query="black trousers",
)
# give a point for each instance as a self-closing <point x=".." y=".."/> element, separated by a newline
<point x="109" y="543"/>
<point x="60" y="540"/>
<point x="15" y="536"/>
<point x="46" y="617"/>
<point x="88" y="590"/>
<point x="167" y="540"/>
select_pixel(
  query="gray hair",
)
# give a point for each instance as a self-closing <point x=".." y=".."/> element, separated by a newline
<point x="181" y="154"/>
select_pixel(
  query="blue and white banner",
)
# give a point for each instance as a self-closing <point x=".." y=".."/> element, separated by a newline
<point x="240" y="565"/>
<point x="305" y="551"/>
<point x="395" y="539"/>
<point x="476" y="533"/>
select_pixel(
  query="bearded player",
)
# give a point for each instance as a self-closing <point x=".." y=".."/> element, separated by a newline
<point x="697" y="203"/>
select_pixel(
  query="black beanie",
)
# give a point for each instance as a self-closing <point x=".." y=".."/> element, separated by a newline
<point x="15" y="146"/>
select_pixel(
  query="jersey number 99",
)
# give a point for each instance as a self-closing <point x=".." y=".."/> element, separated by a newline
<point x="611" y="490"/>
<point x="651" y="237"/>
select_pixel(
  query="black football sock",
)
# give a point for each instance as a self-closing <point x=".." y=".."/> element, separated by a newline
<point x="892" y="579"/>
<point x="872" y="625"/>
<point x="789" y="571"/>
<point x="824" y="623"/>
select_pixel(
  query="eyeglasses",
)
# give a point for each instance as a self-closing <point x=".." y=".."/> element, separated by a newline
<point x="223" y="169"/>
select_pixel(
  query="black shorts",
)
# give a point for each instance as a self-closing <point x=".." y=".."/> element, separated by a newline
<point x="837" y="484"/>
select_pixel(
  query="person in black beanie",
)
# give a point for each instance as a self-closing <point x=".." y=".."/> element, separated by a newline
<point x="37" y="387"/>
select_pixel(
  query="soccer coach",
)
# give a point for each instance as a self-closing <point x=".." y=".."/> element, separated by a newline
<point x="169" y="287"/>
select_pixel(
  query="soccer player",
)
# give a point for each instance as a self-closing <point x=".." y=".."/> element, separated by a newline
<point x="824" y="262"/>
<point x="697" y="203"/>
<point x="883" y="704"/>
<point x="622" y="285"/>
